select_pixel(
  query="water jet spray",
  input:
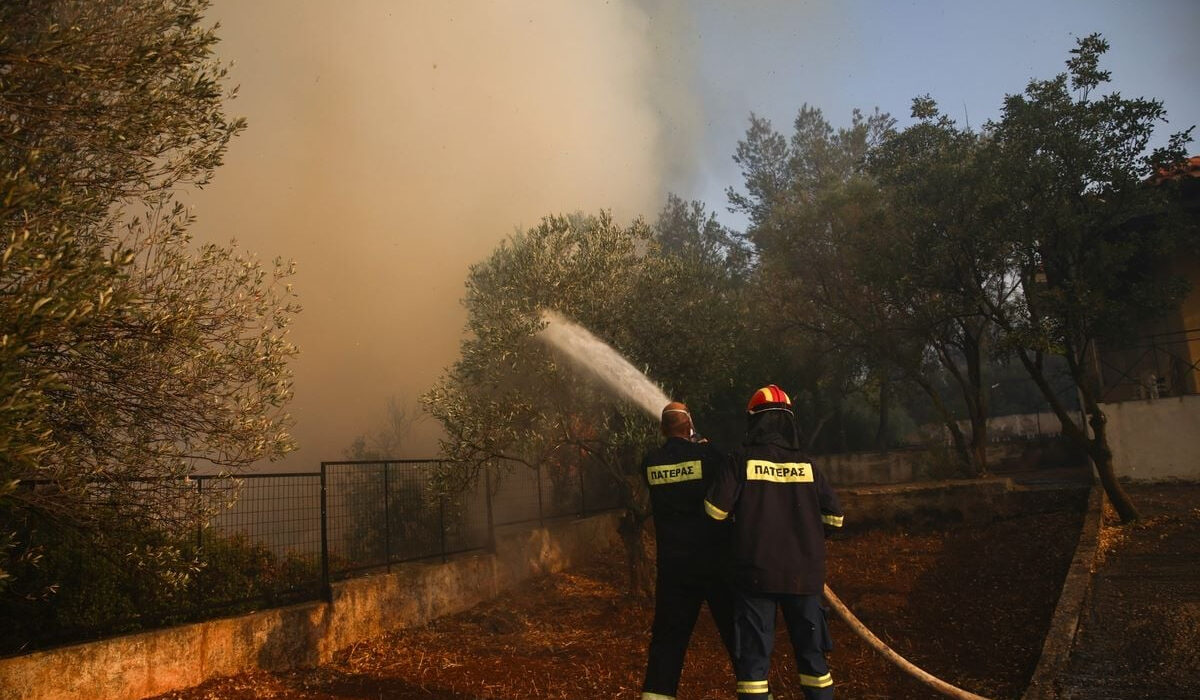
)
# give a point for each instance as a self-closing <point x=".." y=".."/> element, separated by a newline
<point x="596" y="357"/>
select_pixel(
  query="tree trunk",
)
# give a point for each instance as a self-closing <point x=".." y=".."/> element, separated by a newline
<point x="840" y="417"/>
<point x="1102" y="457"/>
<point x="1116" y="493"/>
<point x="1096" y="446"/>
<point x="881" y="428"/>
<point x="977" y="403"/>
<point x="970" y="385"/>
<point x="979" y="443"/>
<point x="638" y="566"/>
<point x="960" y="442"/>
<point x="632" y="527"/>
<point x="816" y="433"/>
<point x="960" y="445"/>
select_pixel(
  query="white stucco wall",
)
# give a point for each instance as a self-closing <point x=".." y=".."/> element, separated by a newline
<point x="1155" y="439"/>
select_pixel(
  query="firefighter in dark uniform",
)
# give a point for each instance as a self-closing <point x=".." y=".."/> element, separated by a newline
<point x="692" y="550"/>
<point x="781" y="506"/>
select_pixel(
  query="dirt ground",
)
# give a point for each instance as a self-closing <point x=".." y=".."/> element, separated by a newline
<point x="970" y="604"/>
<point x="1139" y="636"/>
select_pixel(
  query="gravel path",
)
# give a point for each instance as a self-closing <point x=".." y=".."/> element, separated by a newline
<point x="1140" y="631"/>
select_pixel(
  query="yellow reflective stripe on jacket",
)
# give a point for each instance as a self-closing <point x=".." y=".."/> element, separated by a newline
<point x="832" y="520"/>
<point x="816" y="681"/>
<point x="673" y="473"/>
<point x="752" y="687"/>
<point x="714" y="512"/>
<point x="657" y="696"/>
<point x="779" y="472"/>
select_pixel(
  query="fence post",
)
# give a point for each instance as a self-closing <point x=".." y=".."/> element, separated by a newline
<point x="582" y="492"/>
<point x="200" y="503"/>
<point x="487" y="494"/>
<point x="387" y="519"/>
<point x="198" y="601"/>
<point x="442" y="524"/>
<point x="326" y="587"/>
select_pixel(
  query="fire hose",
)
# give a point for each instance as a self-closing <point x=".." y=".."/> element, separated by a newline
<point x="902" y="663"/>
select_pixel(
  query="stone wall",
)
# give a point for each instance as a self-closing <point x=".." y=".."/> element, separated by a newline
<point x="149" y="663"/>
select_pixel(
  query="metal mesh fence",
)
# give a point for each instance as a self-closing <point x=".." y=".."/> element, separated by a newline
<point x="282" y="538"/>
<point x="562" y="488"/>
<point x="516" y="494"/>
<point x="383" y="513"/>
<point x="280" y="511"/>
<point x="265" y="547"/>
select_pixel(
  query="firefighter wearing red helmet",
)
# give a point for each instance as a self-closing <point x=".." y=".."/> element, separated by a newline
<point x="781" y="506"/>
<point x="692" y="550"/>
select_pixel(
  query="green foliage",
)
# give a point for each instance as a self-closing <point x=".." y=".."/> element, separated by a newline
<point x="98" y="591"/>
<point x="935" y="251"/>
<point x="124" y="351"/>
<point x="664" y="297"/>
<point x="403" y="518"/>
<point x="236" y="569"/>
<point x="507" y="396"/>
<point x="930" y="265"/>
<point x="75" y="588"/>
<point x="817" y="232"/>
<point x="1088" y="237"/>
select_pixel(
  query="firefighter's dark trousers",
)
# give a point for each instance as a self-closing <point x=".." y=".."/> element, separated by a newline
<point x="677" y="601"/>
<point x="754" y="631"/>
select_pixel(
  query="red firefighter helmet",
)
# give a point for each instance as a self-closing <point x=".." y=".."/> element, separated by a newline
<point x="769" y="398"/>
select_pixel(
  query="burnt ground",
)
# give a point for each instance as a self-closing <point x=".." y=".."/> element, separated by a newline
<point x="969" y="603"/>
<point x="1139" y="635"/>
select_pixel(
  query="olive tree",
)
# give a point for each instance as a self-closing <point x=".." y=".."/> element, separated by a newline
<point x="129" y="357"/>
<point x="931" y="261"/>
<point x="816" y="230"/>
<point x="1087" y="236"/>
<point x="509" y="397"/>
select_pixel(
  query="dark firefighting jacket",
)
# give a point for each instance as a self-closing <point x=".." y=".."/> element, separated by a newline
<point x="781" y="507"/>
<point x="678" y="474"/>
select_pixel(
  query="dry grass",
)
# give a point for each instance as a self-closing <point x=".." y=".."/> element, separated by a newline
<point x="970" y="604"/>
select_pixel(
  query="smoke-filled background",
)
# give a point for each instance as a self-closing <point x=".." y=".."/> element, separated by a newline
<point x="392" y="144"/>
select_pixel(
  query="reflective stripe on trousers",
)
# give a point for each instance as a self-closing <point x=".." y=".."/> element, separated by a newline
<point x="754" y="629"/>
<point x="752" y="689"/>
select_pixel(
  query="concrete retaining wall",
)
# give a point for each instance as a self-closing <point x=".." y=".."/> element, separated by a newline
<point x="1155" y="439"/>
<point x="1056" y="649"/>
<point x="149" y="663"/>
<point x="908" y="464"/>
<point x="893" y="467"/>
<point x="967" y="500"/>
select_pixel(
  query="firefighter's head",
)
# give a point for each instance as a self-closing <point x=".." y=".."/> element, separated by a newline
<point x="769" y="418"/>
<point x="676" y="421"/>
<point x="769" y="398"/>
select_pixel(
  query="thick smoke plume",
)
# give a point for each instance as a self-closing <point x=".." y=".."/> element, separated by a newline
<point x="392" y="144"/>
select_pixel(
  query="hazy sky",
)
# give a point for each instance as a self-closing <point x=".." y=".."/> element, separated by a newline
<point x="393" y="143"/>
